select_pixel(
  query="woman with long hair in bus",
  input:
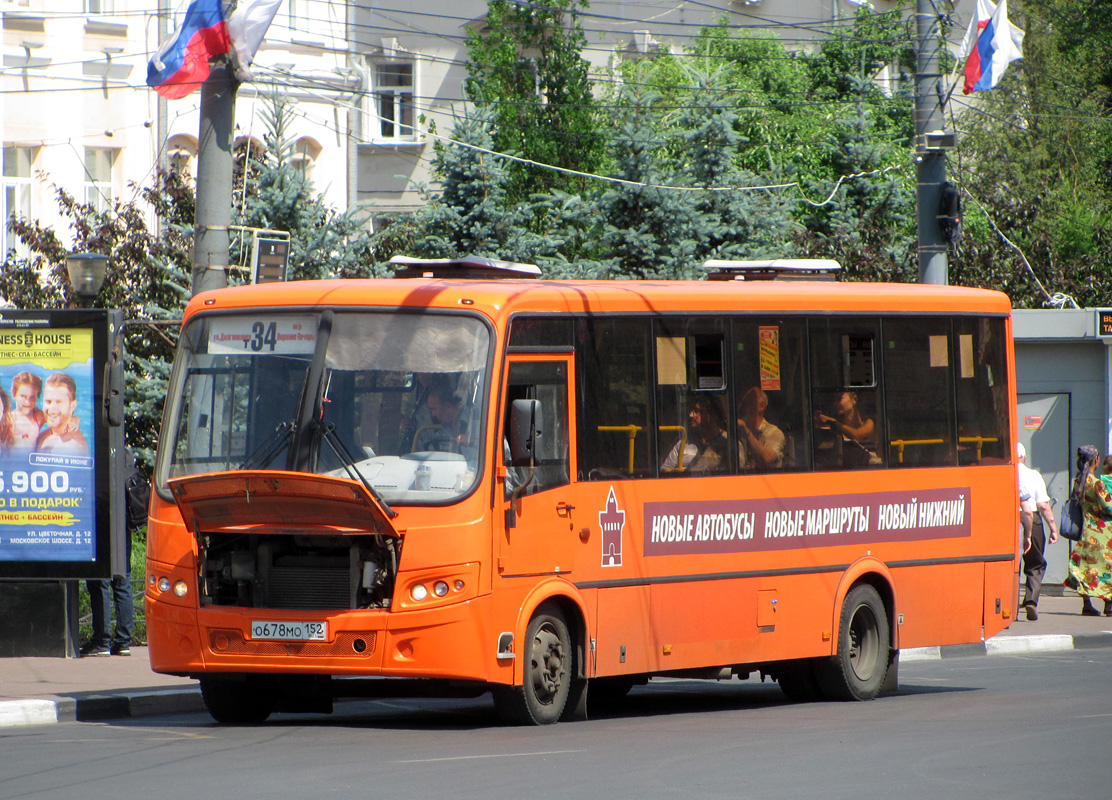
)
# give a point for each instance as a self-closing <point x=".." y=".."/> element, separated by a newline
<point x="1090" y="564"/>
<point x="853" y="430"/>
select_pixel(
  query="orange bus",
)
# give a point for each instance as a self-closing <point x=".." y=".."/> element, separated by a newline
<point x="468" y="479"/>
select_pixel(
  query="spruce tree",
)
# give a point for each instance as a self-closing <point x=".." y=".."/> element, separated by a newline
<point x="278" y="196"/>
<point x="646" y="231"/>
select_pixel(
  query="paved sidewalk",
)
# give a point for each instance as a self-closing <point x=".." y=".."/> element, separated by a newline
<point x="45" y="690"/>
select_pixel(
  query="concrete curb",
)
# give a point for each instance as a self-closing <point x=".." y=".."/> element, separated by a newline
<point x="1010" y="645"/>
<point x="100" y="707"/>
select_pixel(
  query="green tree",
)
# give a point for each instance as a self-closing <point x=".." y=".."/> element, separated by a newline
<point x="471" y="214"/>
<point x="278" y="196"/>
<point x="527" y="66"/>
<point x="646" y="230"/>
<point x="1035" y="156"/>
<point x="868" y="222"/>
<point x="732" y="222"/>
<point x="147" y="278"/>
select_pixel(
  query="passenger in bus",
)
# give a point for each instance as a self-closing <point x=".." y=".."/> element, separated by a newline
<point x="853" y="432"/>
<point x="707" y="445"/>
<point x="760" y="443"/>
<point x="420" y="419"/>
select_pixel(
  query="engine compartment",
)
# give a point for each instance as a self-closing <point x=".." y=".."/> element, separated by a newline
<point x="297" y="571"/>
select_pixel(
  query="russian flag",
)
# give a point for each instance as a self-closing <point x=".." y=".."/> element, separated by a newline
<point x="991" y="43"/>
<point x="182" y="63"/>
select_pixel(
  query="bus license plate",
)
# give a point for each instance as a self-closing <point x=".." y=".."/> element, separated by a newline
<point x="290" y="631"/>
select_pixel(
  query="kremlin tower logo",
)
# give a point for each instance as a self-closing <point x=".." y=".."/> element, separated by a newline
<point x="612" y="521"/>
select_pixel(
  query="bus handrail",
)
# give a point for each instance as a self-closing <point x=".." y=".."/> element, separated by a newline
<point x="980" y="441"/>
<point x="631" y="431"/>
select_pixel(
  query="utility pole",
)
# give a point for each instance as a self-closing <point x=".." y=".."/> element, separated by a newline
<point x="931" y="143"/>
<point x="163" y="127"/>
<point x="214" y="178"/>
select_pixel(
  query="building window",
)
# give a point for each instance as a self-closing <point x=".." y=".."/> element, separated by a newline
<point x="305" y="153"/>
<point x="17" y="190"/>
<point x="99" y="193"/>
<point x="100" y="6"/>
<point x="295" y="9"/>
<point x="181" y="153"/>
<point x="393" y="113"/>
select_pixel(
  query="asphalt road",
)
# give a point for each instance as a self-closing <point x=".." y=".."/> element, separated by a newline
<point x="1036" y="726"/>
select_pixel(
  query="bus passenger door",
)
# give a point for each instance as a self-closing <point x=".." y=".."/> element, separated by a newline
<point x="538" y="535"/>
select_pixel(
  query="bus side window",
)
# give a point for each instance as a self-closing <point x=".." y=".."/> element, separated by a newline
<point x="547" y="383"/>
<point x="769" y="371"/>
<point x="981" y="380"/>
<point x="917" y="390"/>
<point x="846" y="419"/>
<point x="614" y="385"/>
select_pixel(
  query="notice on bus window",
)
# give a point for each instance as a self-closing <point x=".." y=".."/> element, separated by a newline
<point x="253" y="336"/>
<point x="736" y="526"/>
<point x="768" y="337"/>
<point x="47" y="474"/>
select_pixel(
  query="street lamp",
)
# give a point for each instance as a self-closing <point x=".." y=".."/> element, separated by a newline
<point x="86" y="274"/>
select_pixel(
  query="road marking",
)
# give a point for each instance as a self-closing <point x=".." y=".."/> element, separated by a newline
<point x="492" y="755"/>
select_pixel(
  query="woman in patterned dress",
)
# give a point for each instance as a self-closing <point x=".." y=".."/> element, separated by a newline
<point x="1090" y="565"/>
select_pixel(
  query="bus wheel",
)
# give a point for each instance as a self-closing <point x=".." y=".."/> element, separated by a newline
<point x="548" y="673"/>
<point x="857" y="671"/>
<point x="238" y="702"/>
<point x="798" y="681"/>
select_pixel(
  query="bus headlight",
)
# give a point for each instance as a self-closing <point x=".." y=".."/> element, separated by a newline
<point x="440" y="588"/>
<point x="180" y="588"/>
<point x="419" y="592"/>
<point x="163" y="584"/>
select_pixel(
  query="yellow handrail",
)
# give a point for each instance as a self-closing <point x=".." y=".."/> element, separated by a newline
<point x="900" y="444"/>
<point x="980" y="441"/>
<point x="630" y="430"/>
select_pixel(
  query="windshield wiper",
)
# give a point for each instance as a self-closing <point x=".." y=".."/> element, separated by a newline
<point x="328" y="433"/>
<point x="270" y="447"/>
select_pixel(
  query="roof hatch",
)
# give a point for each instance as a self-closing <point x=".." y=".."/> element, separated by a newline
<point x="777" y="269"/>
<point x="466" y="268"/>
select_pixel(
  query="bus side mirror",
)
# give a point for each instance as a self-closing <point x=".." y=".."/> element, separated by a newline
<point x="523" y="432"/>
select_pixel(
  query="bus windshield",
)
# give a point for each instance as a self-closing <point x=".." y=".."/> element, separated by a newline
<point x="391" y="399"/>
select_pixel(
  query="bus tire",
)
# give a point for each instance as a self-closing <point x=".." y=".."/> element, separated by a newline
<point x="798" y="680"/>
<point x="233" y="702"/>
<point x="856" y="671"/>
<point x="548" y="673"/>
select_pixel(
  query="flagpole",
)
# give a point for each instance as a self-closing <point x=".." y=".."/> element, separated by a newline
<point x="213" y="212"/>
<point x="930" y="145"/>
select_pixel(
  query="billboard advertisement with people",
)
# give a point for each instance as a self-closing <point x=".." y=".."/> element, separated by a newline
<point x="53" y="443"/>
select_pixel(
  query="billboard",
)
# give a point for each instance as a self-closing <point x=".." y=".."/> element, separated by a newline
<point x="58" y="471"/>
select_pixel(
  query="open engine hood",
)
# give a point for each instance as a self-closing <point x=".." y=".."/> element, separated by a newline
<point x="276" y="500"/>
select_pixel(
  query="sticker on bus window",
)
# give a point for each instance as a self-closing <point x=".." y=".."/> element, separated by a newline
<point x="277" y="335"/>
<point x="768" y="339"/>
